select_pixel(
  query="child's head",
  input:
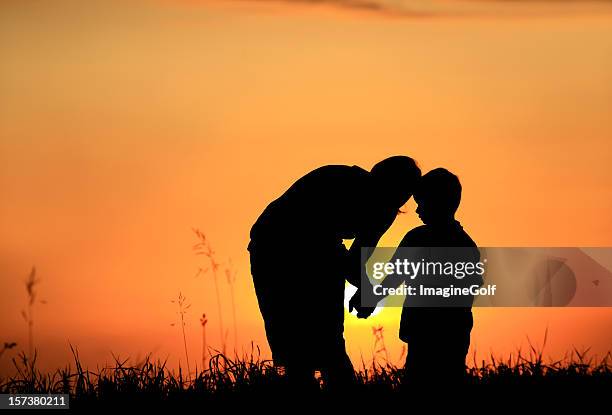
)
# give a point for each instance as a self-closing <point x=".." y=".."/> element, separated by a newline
<point x="437" y="195"/>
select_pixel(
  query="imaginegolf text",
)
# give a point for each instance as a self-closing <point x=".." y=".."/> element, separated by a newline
<point x="444" y="292"/>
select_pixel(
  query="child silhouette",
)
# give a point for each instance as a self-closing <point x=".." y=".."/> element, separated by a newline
<point x="437" y="330"/>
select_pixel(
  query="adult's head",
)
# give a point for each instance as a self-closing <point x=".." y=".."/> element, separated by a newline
<point x="437" y="195"/>
<point x="395" y="179"/>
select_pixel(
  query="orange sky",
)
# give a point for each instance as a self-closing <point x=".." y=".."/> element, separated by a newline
<point x="123" y="126"/>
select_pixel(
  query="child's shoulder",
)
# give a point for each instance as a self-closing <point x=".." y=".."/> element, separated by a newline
<point x="430" y="235"/>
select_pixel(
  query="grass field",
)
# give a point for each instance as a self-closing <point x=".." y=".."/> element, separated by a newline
<point x="252" y="379"/>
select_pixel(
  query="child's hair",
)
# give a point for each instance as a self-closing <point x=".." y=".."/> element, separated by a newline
<point x="441" y="190"/>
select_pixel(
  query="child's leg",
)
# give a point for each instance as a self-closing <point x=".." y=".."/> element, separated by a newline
<point x="437" y="357"/>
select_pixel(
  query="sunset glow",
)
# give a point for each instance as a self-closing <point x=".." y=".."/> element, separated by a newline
<point x="123" y="126"/>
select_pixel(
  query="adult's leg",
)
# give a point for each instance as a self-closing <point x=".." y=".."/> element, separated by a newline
<point x="300" y="375"/>
<point x="281" y="306"/>
<point x="337" y="371"/>
<point x="336" y="368"/>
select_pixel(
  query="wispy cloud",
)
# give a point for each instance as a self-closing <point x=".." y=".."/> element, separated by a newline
<point x="387" y="7"/>
<point x="374" y="5"/>
<point x="465" y="8"/>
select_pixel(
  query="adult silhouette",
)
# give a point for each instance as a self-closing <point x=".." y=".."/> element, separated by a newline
<point x="299" y="264"/>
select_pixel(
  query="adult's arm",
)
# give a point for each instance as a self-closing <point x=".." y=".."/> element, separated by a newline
<point x="364" y="244"/>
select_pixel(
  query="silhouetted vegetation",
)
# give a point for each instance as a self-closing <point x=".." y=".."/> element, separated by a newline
<point x="150" y="383"/>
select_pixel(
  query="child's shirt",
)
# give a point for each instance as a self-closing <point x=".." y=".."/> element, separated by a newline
<point x="422" y="320"/>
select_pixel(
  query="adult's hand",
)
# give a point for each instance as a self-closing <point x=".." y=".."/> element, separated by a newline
<point x="355" y="304"/>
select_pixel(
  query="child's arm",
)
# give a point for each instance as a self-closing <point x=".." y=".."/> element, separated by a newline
<point x="411" y="253"/>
